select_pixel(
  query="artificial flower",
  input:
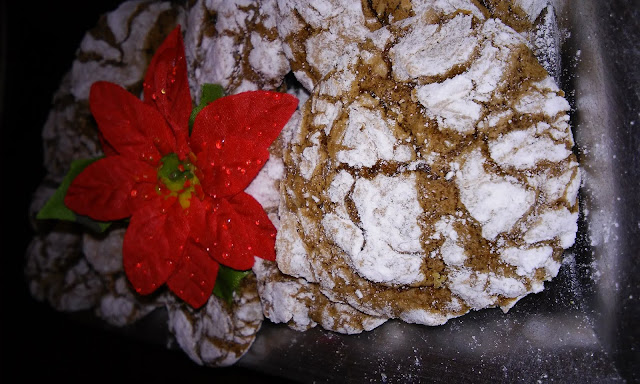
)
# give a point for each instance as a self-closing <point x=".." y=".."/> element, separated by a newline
<point x="184" y="193"/>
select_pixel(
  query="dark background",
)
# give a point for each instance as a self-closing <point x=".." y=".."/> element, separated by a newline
<point x="37" y="46"/>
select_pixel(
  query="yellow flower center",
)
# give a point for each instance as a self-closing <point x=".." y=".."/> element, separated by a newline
<point x="177" y="178"/>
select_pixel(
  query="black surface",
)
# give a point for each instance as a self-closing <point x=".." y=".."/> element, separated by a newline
<point x="624" y="48"/>
<point x="608" y="78"/>
<point x="39" y="41"/>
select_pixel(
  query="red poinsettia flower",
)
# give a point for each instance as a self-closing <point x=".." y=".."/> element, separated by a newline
<point x="184" y="193"/>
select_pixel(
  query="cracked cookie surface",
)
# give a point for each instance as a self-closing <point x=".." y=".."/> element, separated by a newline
<point x="429" y="167"/>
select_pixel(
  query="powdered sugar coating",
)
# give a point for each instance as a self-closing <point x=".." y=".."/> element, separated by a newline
<point x="234" y="44"/>
<point x="368" y="138"/>
<point x="128" y="40"/>
<point x="522" y="149"/>
<point x="315" y="34"/>
<point x="433" y="49"/>
<point x="388" y="209"/>
<point x="301" y="305"/>
<point x="497" y="203"/>
<point x="527" y="260"/>
<point x="219" y="333"/>
<point x="532" y="8"/>
<point x="58" y="276"/>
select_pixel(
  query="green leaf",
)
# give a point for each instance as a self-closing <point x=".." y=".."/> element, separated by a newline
<point x="55" y="209"/>
<point x="210" y="92"/>
<point x="227" y="282"/>
<point x="93" y="225"/>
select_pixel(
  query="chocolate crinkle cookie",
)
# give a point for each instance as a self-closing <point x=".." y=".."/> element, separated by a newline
<point x="431" y="171"/>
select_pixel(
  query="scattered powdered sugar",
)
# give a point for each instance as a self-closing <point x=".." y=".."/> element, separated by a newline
<point x="546" y="40"/>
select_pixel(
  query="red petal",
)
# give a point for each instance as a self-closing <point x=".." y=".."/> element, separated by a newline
<point x="107" y="149"/>
<point x="145" y="193"/>
<point x="256" y="116"/>
<point x="231" y="137"/>
<point x="166" y="86"/>
<point x="243" y="231"/>
<point x="153" y="245"/>
<point x="202" y="229"/>
<point x="195" y="276"/>
<point x="260" y="229"/>
<point x="103" y="189"/>
<point x="134" y="129"/>
<point x="229" y="166"/>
